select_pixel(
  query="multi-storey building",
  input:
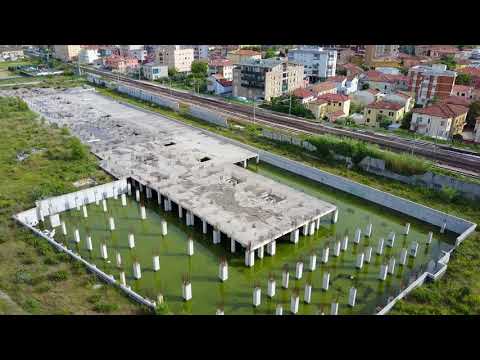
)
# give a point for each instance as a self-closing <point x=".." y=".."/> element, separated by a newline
<point x="222" y="67"/>
<point x="373" y="112"/>
<point x="175" y="57"/>
<point x="375" y="53"/>
<point x="240" y="55"/>
<point x="152" y="71"/>
<point x="429" y="82"/>
<point x="318" y="63"/>
<point x="87" y="56"/>
<point x="200" y="52"/>
<point x="266" y="78"/>
<point x="66" y="52"/>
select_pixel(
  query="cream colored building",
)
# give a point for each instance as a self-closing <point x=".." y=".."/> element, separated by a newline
<point x="266" y="78"/>
<point x="66" y="52"/>
<point x="330" y="104"/>
<point x="241" y="55"/>
<point x="175" y="57"/>
<point x="392" y="110"/>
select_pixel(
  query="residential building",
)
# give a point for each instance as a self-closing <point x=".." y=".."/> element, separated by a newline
<point x="375" y="111"/>
<point x="121" y="64"/>
<point x="222" y="67"/>
<point x="366" y="97"/>
<point x="406" y="99"/>
<point x="126" y="50"/>
<point x="476" y="131"/>
<point x="11" y="53"/>
<point x="219" y="85"/>
<point x="139" y="54"/>
<point x="436" y="51"/>
<point x="456" y="100"/>
<point x="175" y="57"/>
<point x="322" y="88"/>
<point x="440" y="120"/>
<point x="88" y="56"/>
<point x="386" y="83"/>
<point x="304" y="95"/>
<point x="474" y="73"/>
<point x="153" y="71"/>
<point x="241" y="55"/>
<point x="463" y="91"/>
<point x="351" y="69"/>
<point x="430" y="82"/>
<point x="200" y="52"/>
<point x="319" y="64"/>
<point x="330" y="104"/>
<point x="66" y="52"/>
<point x="377" y="53"/>
<point x="266" y="78"/>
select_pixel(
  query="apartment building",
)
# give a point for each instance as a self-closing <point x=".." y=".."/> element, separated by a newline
<point x="200" y="52"/>
<point x="374" y="112"/>
<point x="241" y="55"/>
<point x="463" y="91"/>
<point x="429" y="82"/>
<point x="386" y="83"/>
<point x="121" y="64"/>
<point x="223" y="67"/>
<point x="66" y="52"/>
<point x="440" y="121"/>
<point x="404" y="98"/>
<point x="152" y="71"/>
<point x="326" y="105"/>
<point x="318" y="63"/>
<point x="266" y="78"/>
<point x="175" y="57"/>
<point x="376" y="53"/>
<point x="87" y="56"/>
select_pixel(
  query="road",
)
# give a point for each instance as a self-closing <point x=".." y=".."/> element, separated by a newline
<point x="452" y="159"/>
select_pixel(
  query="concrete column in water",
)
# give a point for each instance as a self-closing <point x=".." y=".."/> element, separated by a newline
<point x="223" y="271"/>
<point x="118" y="258"/>
<point x="249" y="258"/>
<point x="279" y="310"/>
<point x="368" y="254"/>
<point x="443" y="228"/>
<point x="334" y="308"/>
<point x="124" y="200"/>
<point x="156" y="263"/>
<point x="383" y="272"/>
<point x="312" y="228"/>
<point x="137" y="272"/>
<point x="285" y="279"/>
<point x="407" y="229"/>
<point x="352" y="296"/>
<point x="313" y="262"/>
<point x="111" y="222"/>
<point x="360" y="259"/>
<point x="85" y="213"/>
<point x="307" y="297"/>
<point x="294" y="235"/>
<point x="403" y="257"/>
<point x="260" y="251"/>
<point x="204" y="226"/>
<point x="336" y="249"/>
<point x="335" y="216"/>
<point x="299" y="270"/>
<point x="391" y="239"/>
<point x="294" y="302"/>
<point x="272" y="248"/>
<point x="131" y="241"/>
<point x="64" y="228"/>
<point x="103" y="251"/>
<point x="89" y="243"/>
<point x="232" y="246"/>
<point x="137" y="195"/>
<point x="304" y="230"/>
<point x="413" y="249"/>
<point x="380" y="246"/>
<point x="180" y="211"/>
<point x="325" y="253"/>
<point x="164" y="227"/>
<point x="271" y="288"/>
<point x="104" y="205"/>
<point x="257" y="293"/>
<point x="326" y="281"/>
<point x="190" y="247"/>
<point x="391" y="266"/>
<point x="187" y="290"/>
<point x="143" y="213"/>
<point x="77" y="236"/>
<point x="123" y="281"/>
<point x="429" y="237"/>
<point x="344" y="245"/>
<point x="368" y="230"/>
<point x="358" y="235"/>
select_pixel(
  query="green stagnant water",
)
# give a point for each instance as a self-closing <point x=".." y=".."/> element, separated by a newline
<point x="235" y="295"/>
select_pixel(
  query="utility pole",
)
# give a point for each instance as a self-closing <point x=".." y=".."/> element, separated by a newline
<point x="290" y="107"/>
<point x="254" y="110"/>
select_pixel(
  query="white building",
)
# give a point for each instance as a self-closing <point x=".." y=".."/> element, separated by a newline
<point x="152" y="71"/>
<point x="200" y="52"/>
<point x="88" y="56"/>
<point x="318" y="63"/>
<point x="139" y="54"/>
<point x="175" y="57"/>
<point x="219" y="85"/>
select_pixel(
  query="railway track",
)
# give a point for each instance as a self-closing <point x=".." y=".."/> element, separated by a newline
<point x="464" y="162"/>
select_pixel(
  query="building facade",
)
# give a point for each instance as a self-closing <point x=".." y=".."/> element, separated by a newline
<point x="318" y="63"/>
<point x="376" y="53"/>
<point x="175" y="57"/>
<point x="241" y="55"/>
<point x="373" y="112"/>
<point x="66" y="52"/>
<point x="152" y="71"/>
<point x="440" y="121"/>
<point x="429" y="82"/>
<point x="88" y="56"/>
<point x="223" y="67"/>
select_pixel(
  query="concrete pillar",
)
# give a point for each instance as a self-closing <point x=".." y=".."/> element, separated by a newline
<point x="344" y="245"/>
<point x="391" y="239"/>
<point x="204" y="226"/>
<point x="119" y="259"/>
<point x="187" y="290"/>
<point x="77" y="236"/>
<point x="443" y="228"/>
<point x="103" y="251"/>
<point x="383" y="272"/>
<point x="413" y="249"/>
<point x="358" y="235"/>
<point x="164" y="227"/>
<point x="279" y="310"/>
<point x="313" y="262"/>
<point x="137" y="272"/>
<point x="245" y="164"/>
<point x="391" y="266"/>
<point x="190" y="247"/>
<point x="368" y="230"/>
<point x="429" y="237"/>
<point x="159" y="198"/>
<point x="257" y="159"/>
<point x="220" y="312"/>
<point x="115" y="194"/>
<point x="165" y="204"/>
<point x="272" y="248"/>
<point x="271" y="288"/>
<point x="97" y="200"/>
<point x="260" y="252"/>
<point x="85" y="213"/>
<point x="137" y="195"/>
<point x="304" y="230"/>
<point x="111" y="222"/>
<point x="232" y="246"/>
<point x="140" y="186"/>
<point x="131" y="241"/>
<point x="299" y="270"/>
<point x="334" y="308"/>
<point x="169" y="202"/>
<point x="335" y="216"/>
<point x="89" y="243"/>
<point x="257" y="293"/>
<point x="104" y="205"/>
<point x="407" y="229"/>
<point x="294" y="302"/>
<point x="180" y="211"/>
<point x="326" y="281"/>
<point x="149" y="192"/>
<point x="216" y="236"/>
<point x="156" y="263"/>
<point x="160" y="299"/>
<point x="336" y="249"/>
<point x="249" y="258"/>
<point x="403" y="257"/>
<point x="360" y="259"/>
<point x="123" y="281"/>
<point x="223" y="271"/>
<point x="129" y="189"/>
<point x="78" y="207"/>
<point x="352" y="296"/>
<point x="190" y="218"/>
<point x="325" y="253"/>
<point x="307" y="296"/>
<point x="317" y="221"/>
<point x="143" y="213"/>
<point x="294" y="235"/>
<point x="124" y="200"/>
<point x="64" y="228"/>
<point x="312" y="228"/>
<point x="368" y="254"/>
<point x="380" y="246"/>
<point x="285" y="279"/>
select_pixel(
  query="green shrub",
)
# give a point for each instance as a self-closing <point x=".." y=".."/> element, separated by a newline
<point x="50" y="260"/>
<point x="105" y="308"/>
<point x="31" y="305"/>
<point x="60" y="275"/>
<point x="22" y="277"/>
<point x="94" y="298"/>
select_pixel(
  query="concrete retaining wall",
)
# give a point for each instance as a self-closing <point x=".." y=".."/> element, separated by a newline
<point x="208" y="115"/>
<point x="148" y="96"/>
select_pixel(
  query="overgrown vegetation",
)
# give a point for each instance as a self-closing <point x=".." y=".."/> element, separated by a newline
<point x="289" y="105"/>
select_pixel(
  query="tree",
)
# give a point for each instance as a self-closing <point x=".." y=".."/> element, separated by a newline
<point x="463" y="79"/>
<point x="270" y="53"/>
<point x="199" y="68"/>
<point x="342" y="72"/>
<point x="457" y="138"/>
<point x="406" y="121"/>
<point x="449" y="61"/>
<point x="473" y="113"/>
<point x="365" y="86"/>
<point x="172" y="72"/>
<point x="384" y="121"/>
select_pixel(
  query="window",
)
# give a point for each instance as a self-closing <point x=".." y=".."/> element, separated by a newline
<point x="205" y="158"/>
<point x="169" y="144"/>
<point x="368" y="120"/>
<point x="390" y="113"/>
<point x="369" y="111"/>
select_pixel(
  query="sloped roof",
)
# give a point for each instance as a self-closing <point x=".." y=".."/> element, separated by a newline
<point x="442" y="110"/>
